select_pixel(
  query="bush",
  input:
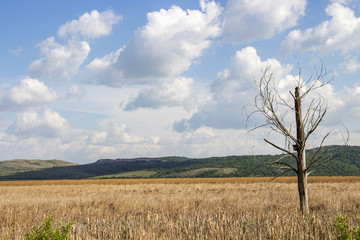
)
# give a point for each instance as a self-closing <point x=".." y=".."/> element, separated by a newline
<point x="344" y="232"/>
<point x="45" y="231"/>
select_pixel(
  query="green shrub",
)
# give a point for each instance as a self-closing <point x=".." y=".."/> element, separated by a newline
<point x="344" y="232"/>
<point x="45" y="231"/>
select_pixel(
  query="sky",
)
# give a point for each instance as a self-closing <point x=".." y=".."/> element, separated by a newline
<point x="84" y="80"/>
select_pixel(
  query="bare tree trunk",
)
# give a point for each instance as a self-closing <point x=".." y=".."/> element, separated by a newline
<point x="302" y="184"/>
<point x="301" y="158"/>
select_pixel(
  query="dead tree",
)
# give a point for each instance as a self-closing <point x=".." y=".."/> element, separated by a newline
<point x="278" y="110"/>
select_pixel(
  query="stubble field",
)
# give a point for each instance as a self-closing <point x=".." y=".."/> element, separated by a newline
<point x="234" y="208"/>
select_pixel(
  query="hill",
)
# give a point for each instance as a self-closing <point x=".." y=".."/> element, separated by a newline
<point x="343" y="161"/>
<point x="9" y="167"/>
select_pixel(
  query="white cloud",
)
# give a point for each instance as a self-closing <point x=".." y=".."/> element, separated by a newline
<point x="344" y="2"/>
<point x="59" y="61"/>
<point x="245" y="66"/>
<point x="97" y="137"/>
<point x="351" y="65"/>
<point x="169" y="94"/>
<point x="30" y="93"/>
<point x="75" y="91"/>
<point x="164" y="48"/>
<point x="100" y="64"/>
<point x="104" y="70"/>
<point x="120" y="134"/>
<point x="16" y="51"/>
<point x="341" y="33"/>
<point x="90" y="25"/>
<point x="232" y="90"/>
<point x="62" y="61"/>
<point x="119" y="141"/>
<point x="344" y="107"/>
<point x="31" y="124"/>
<point x="47" y="135"/>
<point x="246" y="21"/>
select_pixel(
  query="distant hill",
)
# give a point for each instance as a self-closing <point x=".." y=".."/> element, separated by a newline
<point x="343" y="161"/>
<point x="9" y="167"/>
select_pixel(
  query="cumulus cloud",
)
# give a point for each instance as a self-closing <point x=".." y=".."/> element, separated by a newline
<point x="245" y="66"/>
<point x="104" y="69"/>
<point x="30" y="93"/>
<point x="246" y="21"/>
<point x="62" y="61"/>
<point x="168" y="94"/>
<point x="90" y="25"/>
<point x="31" y="124"/>
<point x="350" y="65"/>
<point x="232" y="89"/>
<point x="341" y="33"/>
<point x="165" y="47"/>
<point x="59" y="61"/>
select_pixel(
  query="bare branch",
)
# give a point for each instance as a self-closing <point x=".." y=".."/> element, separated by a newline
<point x="308" y="173"/>
<point x="324" y="158"/>
<point x="315" y="124"/>
<point x="345" y="139"/>
<point x="306" y="118"/>
<point x="319" y="80"/>
<point x="281" y="149"/>
<point x="276" y="163"/>
<point x="265" y="102"/>
<point x="314" y="159"/>
<point x="282" y="173"/>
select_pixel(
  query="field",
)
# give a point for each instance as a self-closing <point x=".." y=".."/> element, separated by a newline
<point x="226" y="208"/>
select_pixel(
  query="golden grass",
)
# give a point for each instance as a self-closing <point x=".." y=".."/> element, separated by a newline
<point x="181" y="181"/>
<point x="230" y="208"/>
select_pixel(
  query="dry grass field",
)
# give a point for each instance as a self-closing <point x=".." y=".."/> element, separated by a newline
<point x="230" y="208"/>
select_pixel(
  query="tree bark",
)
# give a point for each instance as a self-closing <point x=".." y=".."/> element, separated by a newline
<point x="302" y="184"/>
<point x="301" y="158"/>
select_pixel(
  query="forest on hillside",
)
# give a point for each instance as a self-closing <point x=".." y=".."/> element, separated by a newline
<point x="341" y="161"/>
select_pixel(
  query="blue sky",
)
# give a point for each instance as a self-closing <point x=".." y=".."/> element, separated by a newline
<point x="83" y="80"/>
